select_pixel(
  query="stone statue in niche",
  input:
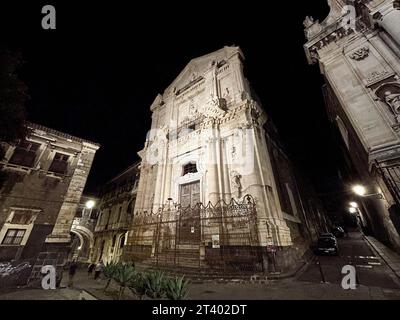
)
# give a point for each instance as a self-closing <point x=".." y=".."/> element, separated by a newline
<point x="192" y="109"/>
<point x="227" y="95"/>
<point x="236" y="183"/>
<point x="234" y="153"/>
<point x="389" y="93"/>
<point x="393" y="100"/>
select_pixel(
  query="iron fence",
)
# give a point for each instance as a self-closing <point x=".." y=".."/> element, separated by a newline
<point x="222" y="237"/>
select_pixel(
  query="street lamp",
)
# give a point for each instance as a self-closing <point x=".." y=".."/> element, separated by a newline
<point x="360" y="190"/>
<point x="90" y="204"/>
<point x="353" y="210"/>
<point x="354" y="205"/>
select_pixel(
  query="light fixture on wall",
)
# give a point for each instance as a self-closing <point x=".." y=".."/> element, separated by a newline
<point x="354" y="205"/>
<point x="359" y="190"/>
<point x="353" y="210"/>
<point x="90" y="204"/>
<point x="362" y="192"/>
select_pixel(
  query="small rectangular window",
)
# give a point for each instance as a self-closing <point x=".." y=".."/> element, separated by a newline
<point x="14" y="236"/>
<point x="59" y="164"/>
<point x="25" y="153"/>
<point x="23" y="217"/>
<point x="189" y="168"/>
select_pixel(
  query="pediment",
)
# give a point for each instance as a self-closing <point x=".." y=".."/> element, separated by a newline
<point x="197" y="67"/>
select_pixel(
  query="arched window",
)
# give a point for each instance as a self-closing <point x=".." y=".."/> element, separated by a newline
<point x="122" y="242"/>
<point x="191" y="167"/>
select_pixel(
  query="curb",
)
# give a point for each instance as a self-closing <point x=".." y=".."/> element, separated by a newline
<point x="294" y="273"/>
<point x="86" y="295"/>
<point x="372" y="245"/>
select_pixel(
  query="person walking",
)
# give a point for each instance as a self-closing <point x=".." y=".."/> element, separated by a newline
<point x="98" y="269"/>
<point x="90" y="269"/>
<point x="71" y="272"/>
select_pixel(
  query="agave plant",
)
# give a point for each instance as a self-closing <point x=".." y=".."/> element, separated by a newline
<point x="155" y="284"/>
<point x="124" y="275"/>
<point x="138" y="285"/>
<point x="109" y="272"/>
<point x="177" y="288"/>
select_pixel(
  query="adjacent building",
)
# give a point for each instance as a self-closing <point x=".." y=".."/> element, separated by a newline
<point x="357" y="48"/>
<point x="43" y="178"/>
<point x="82" y="230"/>
<point x="117" y="201"/>
<point x="216" y="190"/>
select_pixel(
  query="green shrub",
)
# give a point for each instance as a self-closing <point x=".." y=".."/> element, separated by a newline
<point x="109" y="272"/>
<point x="138" y="285"/>
<point x="124" y="275"/>
<point x="177" y="288"/>
<point x="155" y="284"/>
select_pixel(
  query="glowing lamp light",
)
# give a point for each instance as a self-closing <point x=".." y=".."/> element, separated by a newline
<point x="90" y="204"/>
<point x="360" y="190"/>
<point x="352" y="210"/>
<point x="354" y="205"/>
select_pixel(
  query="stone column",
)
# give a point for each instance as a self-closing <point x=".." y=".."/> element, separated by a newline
<point x="141" y="189"/>
<point x="389" y="19"/>
<point x="157" y="195"/>
<point x="212" y="169"/>
<point x="226" y="173"/>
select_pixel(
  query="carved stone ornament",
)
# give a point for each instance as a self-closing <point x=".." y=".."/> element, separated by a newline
<point x="236" y="183"/>
<point x="308" y="21"/>
<point x="377" y="76"/>
<point x="360" y="54"/>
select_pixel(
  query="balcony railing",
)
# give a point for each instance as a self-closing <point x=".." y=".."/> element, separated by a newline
<point x="87" y="223"/>
<point x="122" y="225"/>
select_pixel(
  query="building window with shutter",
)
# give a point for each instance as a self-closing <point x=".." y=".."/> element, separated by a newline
<point x="59" y="164"/>
<point x="14" y="237"/>
<point x="25" y="153"/>
<point x="18" y="226"/>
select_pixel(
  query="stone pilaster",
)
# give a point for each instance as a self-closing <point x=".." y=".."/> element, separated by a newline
<point x="388" y="17"/>
<point x="61" y="230"/>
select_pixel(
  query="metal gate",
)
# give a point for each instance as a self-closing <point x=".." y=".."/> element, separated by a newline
<point x="221" y="237"/>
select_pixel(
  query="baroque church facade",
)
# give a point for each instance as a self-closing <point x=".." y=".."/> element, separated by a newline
<point x="207" y="149"/>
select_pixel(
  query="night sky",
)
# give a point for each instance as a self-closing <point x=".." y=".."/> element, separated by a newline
<point x="97" y="74"/>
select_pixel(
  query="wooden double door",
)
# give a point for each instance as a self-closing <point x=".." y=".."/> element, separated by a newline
<point x="189" y="221"/>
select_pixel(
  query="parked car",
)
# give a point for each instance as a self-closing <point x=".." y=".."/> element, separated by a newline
<point x="327" y="244"/>
<point x="327" y="235"/>
<point x="338" y="232"/>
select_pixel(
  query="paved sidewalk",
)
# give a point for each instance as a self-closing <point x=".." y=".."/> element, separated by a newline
<point x="388" y="255"/>
<point x="287" y="289"/>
